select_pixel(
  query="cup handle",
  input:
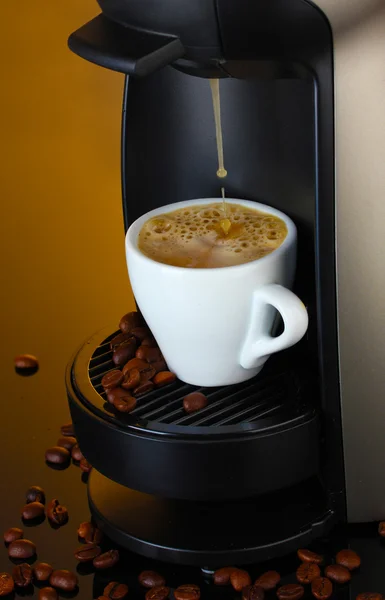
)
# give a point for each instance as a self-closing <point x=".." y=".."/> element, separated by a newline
<point x="259" y="344"/>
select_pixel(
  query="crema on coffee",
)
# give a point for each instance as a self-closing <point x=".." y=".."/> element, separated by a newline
<point x="193" y="236"/>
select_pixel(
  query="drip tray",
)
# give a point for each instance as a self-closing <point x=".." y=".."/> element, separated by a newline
<point x="252" y="438"/>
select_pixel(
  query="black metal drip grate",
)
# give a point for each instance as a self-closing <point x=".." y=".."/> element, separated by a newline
<point x="267" y="398"/>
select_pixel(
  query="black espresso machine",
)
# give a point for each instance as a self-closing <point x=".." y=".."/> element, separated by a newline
<point x="260" y="471"/>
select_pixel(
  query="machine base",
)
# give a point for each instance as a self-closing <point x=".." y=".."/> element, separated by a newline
<point x="209" y="534"/>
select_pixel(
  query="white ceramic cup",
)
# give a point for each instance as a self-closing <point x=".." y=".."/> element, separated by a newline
<point x="214" y="326"/>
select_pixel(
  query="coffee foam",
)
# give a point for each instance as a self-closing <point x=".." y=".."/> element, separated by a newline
<point x="192" y="236"/>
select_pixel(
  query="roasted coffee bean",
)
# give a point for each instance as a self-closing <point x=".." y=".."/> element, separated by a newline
<point x="112" y="379"/>
<point x="307" y="572"/>
<point x="141" y="333"/>
<point x="381" y="528"/>
<point x="370" y="596"/>
<point x="119" y="339"/>
<point x="149" y="341"/>
<point x="87" y="552"/>
<point x="85" y="466"/>
<point x="42" y="571"/>
<point x="159" y="365"/>
<point x="194" y="401"/>
<point x="269" y="580"/>
<point x="13" y="534"/>
<point x="21" y="549"/>
<point x="76" y="453"/>
<point x="67" y="430"/>
<point x="188" y="591"/>
<point x="134" y="363"/>
<point x="35" y="494"/>
<point x="26" y="361"/>
<point x="115" y="590"/>
<point x="150" y="579"/>
<point x="106" y="560"/>
<point x="22" y="574"/>
<point x="116" y="394"/>
<point x="130" y="321"/>
<point x="57" y="513"/>
<point x="90" y="533"/>
<point x="33" y="510"/>
<point x="322" y="588"/>
<point x="6" y="584"/>
<point x="63" y="580"/>
<point x="338" y="573"/>
<point x="57" y="455"/>
<point x="48" y="593"/>
<point x="348" y="559"/>
<point x="131" y="380"/>
<point x="158" y="593"/>
<point x="309" y="556"/>
<point x="291" y="591"/>
<point x="151" y="355"/>
<point x="147" y="374"/>
<point x="164" y="378"/>
<point x="125" y="403"/>
<point x="67" y="442"/>
<point x="143" y="388"/>
<point x="253" y="592"/>
<point x="103" y="598"/>
<point x="239" y="579"/>
<point x="222" y="576"/>
<point x="124" y="352"/>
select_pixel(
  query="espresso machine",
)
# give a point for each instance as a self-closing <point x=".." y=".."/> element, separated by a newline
<point x="273" y="463"/>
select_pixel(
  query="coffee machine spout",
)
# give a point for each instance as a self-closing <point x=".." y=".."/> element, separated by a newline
<point x="131" y="51"/>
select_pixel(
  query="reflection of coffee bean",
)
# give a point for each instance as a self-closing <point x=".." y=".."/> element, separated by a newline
<point x="144" y="388"/>
<point x="239" y="579"/>
<point x="26" y="361"/>
<point x="6" y="584"/>
<point x="188" y="591"/>
<point x="106" y="560"/>
<point x="322" y="588"/>
<point x="35" y="494"/>
<point x="67" y="430"/>
<point x="67" y="442"/>
<point x="348" y="559"/>
<point x="150" y="579"/>
<point x="33" y="510"/>
<point x="76" y="453"/>
<point x="253" y="592"/>
<point x="307" y="572"/>
<point x="85" y="466"/>
<point x="90" y="533"/>
<point x="63" y="580"/>
<point x="291" y="591"/>
<point x="369" y="596"/>
<point x="269" y="580"/>
<point x="87" y="552"/>
<point x="194" y="401"/>
<point x="124" y="352"/>
<point x="112" y="379"/>
<point x="164" y="378"/>
<point x="158" y="593"/>
<point x="222" y="576"/>
<point x="115" y="590"/>
<point x="130" y="321"/>
<point x="42" y="571"/>
<point x="48" y="593"/>
<point x="13" y="534"/>
<point x="309" y="556"/>
<point x="338" y="573"/>
<point x="22" y="574"/>
<point x="57" y="455"/>
<point x="56" y="513"/>
<point x="21" y="549"/>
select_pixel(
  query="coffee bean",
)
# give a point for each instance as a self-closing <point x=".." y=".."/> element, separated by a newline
<point x="222" y="576"/>
<point x="87" y="552"/>
<point x="106" y="560"/>
<point x="381" y="528"/>
<point x="159" y="365"/>
<point x="90" y="533"/>
<point x="67" y="430"/>
<point x="269" y="580"/>
<point x="26" y="361"/>
<point x="307" y="572"/>
<point x="239" y="579"/>
<point x="134" y="363"/>
<point x="130" y="321"/>
<point x="151" y="355"/>
<point x="33" y="510"/>
<point x="57" y="513"/>
<point x="22" y="574"/>
<point x="13" y="534"/>
<point x="150" y="579"/>
<point x="76" y="453"/>
<point x="164" y="378"/>
<point x="253" y="592"/>
<point x="348" y="559"/>
<point x="124" y="352"/>
<point x="63" y="580"/>
<point x="119" y="339"/>
<point x="85" y="466"/>
<point x="42" y="571"/>
<point x="103" y="598"/>
<point x="35" y="494"/>
<point x="131" y="379"/>
<point x="143" y="388"/>
<point x="189" y="591"/>
<point x="112" y="379"/>
<point x="57" y="455"/>
<point x="115" y="590"/>
<point x="322" y="588"/>
<point x="158" y="593"/>
<point x="194" y="401"/>
<point x="48" y="593"/>
<point x="125" y="404"/>
<point x="309" y="556"/>
<point x="291" y="591"/>
<point x="67" y="442"/>
<point x="141" y="333"/>
<point x="338" y="573"/>
<point x="370" y="596"/>
<point x="149" y="341"/>
<point x="21" y="549"/>
<point x="116" y="394"/>
<point x="6" y="584"/>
